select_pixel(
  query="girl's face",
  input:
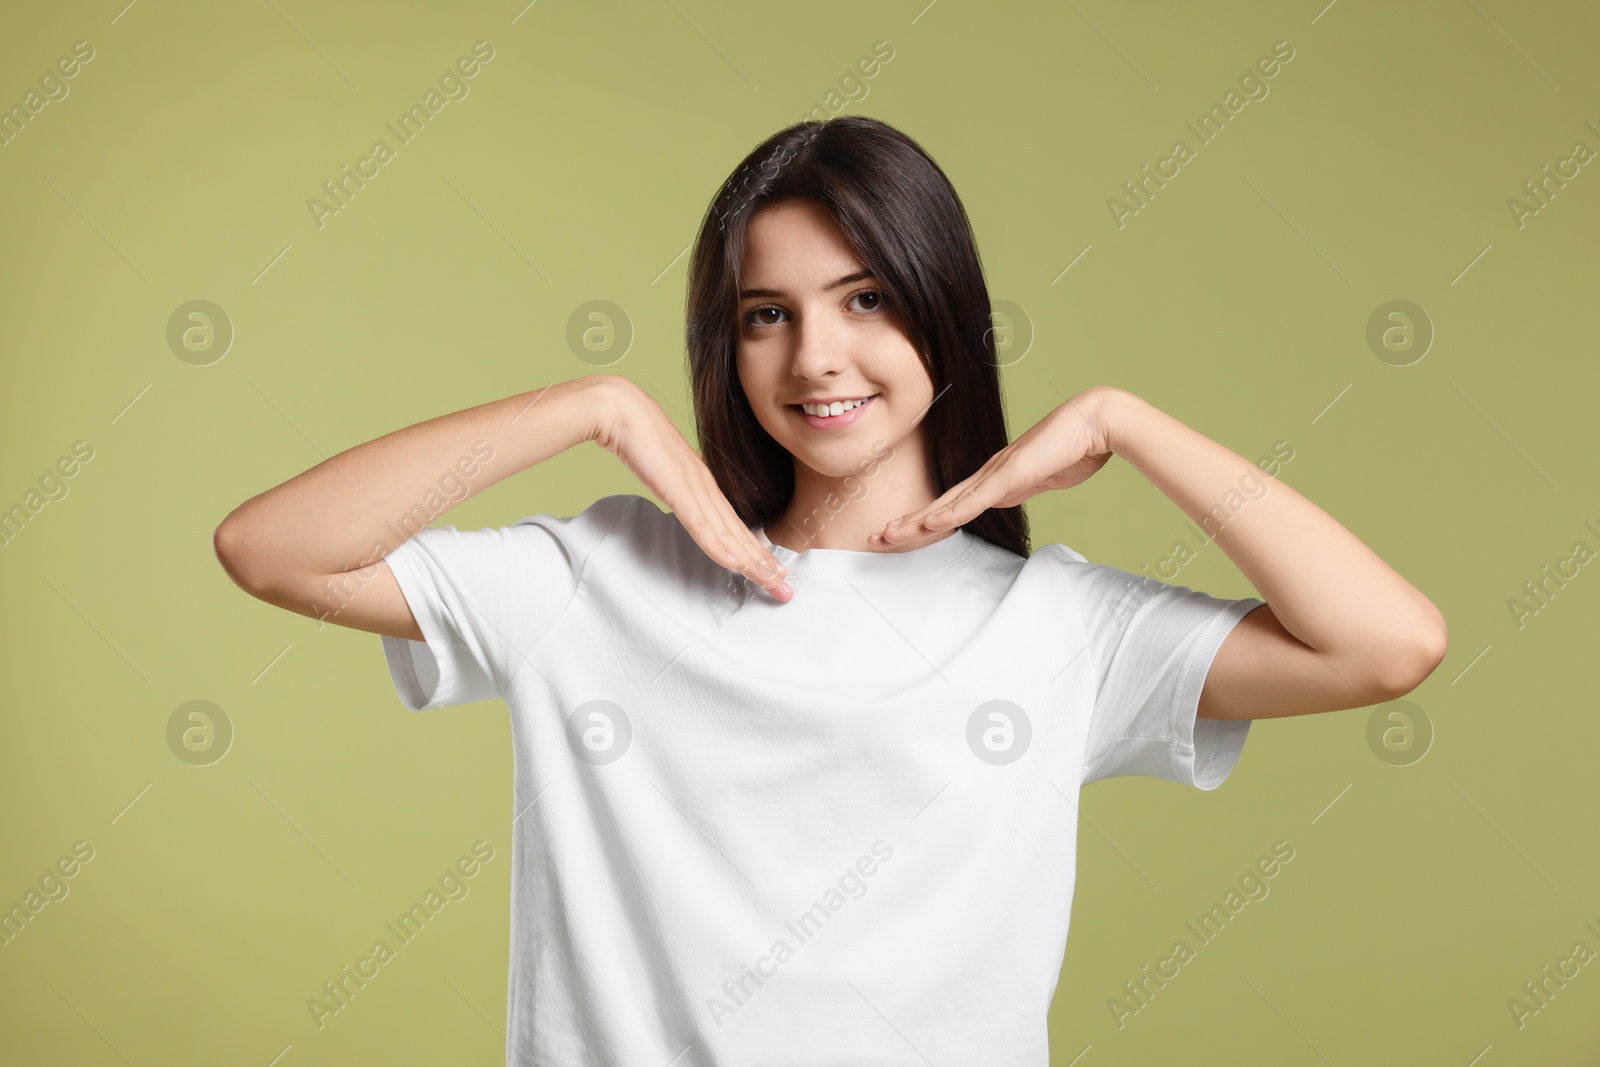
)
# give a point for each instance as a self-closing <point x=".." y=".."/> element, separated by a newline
<point x="812" y="328"/>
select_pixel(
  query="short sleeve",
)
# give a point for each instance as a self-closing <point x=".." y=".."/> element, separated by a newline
<point x="1151" y="645"/>
<point x="484" y="598"/>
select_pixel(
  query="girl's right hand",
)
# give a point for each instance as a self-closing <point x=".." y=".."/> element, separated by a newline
<point x="640" y="434"/>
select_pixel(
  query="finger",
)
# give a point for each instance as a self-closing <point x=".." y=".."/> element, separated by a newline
<point x="712" y="531"/>
<point x="1011" y="500"/>
<point x="680" y="478"/>
<point x="877" y="540"/>
<point x="987" y="489"/>
<point x="912" y="527"/>
<point x="751" y="561"/>
<point x="966" y="505"/>
<point x="761" y="566"/>
<point x="994" y="492"/>
<point x="739" y="550"/>
<point x="961" y="502"/>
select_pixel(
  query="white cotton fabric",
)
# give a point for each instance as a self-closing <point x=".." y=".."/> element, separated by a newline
<point x="839" y="830"/>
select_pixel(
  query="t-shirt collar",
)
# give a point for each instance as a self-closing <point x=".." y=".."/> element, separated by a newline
<point x="865" y="563"/>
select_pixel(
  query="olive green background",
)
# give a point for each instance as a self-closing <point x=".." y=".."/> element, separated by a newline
<point x="1423" y="892"/>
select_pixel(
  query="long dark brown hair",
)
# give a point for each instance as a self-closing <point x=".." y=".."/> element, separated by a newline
<point x="907" y="225"/>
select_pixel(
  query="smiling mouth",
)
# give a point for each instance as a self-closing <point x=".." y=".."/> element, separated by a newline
<point x="844" y="407"/>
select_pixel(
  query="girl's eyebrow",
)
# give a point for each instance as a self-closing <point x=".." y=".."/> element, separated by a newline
<point x="780" y="294"/>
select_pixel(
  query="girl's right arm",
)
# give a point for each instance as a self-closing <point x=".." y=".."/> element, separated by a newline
<point x="289" y="545"/>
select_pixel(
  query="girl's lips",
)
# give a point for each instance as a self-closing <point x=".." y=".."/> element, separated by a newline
<point x="834" y="422"/>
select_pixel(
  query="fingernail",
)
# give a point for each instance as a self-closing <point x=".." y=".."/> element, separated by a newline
<point x="895" y="523"/>
<point x="783" y="587"/>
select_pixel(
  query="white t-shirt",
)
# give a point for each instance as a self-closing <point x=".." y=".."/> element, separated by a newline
<point x="839" y="830"/>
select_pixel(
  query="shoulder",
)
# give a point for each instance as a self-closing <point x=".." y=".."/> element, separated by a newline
<point x="1057" y="553"/>
<point x="1092" y="586"/>
<point x="627" y="526"/>
<point x="1047" y="563"/>
<point x="606" y="512"/>
<point x="1081" y="572"/>
<point x="580" y="534"/>
<point x="1054" y="572"/>
<point x="1061" y="561"/>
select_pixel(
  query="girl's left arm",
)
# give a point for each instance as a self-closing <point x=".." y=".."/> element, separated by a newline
<point x="1341" y="628"/>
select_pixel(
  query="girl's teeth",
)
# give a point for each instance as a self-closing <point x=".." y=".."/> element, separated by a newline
<point x="838" y="407"/>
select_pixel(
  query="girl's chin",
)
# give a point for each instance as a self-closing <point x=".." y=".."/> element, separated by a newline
<point x="855" y="459"/>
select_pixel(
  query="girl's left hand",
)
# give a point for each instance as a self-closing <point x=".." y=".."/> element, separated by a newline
<point x="1061" y="450"/>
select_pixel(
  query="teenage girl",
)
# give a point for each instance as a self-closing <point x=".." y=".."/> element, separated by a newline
<point x="796" y="760"/>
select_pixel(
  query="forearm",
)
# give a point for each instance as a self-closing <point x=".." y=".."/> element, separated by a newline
<point x="348" y="511"/>
<point x="1325" y="586"/>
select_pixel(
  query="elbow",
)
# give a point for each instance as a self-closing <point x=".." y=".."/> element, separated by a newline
<point x="1408" y="664"/>
<point x="227" y="544"/>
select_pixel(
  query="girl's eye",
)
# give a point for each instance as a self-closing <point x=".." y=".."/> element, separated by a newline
<point x="877" y="301"/>
<point x="876" y="297"/>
